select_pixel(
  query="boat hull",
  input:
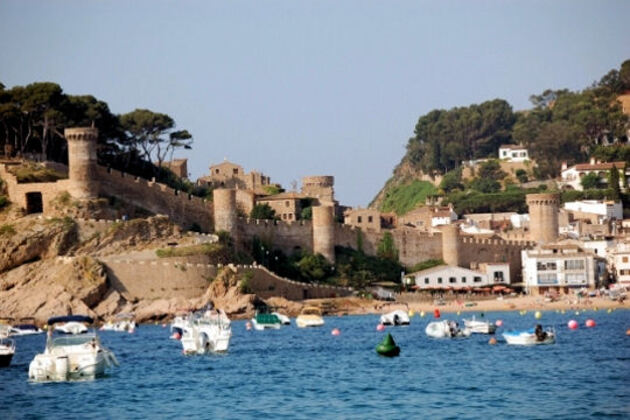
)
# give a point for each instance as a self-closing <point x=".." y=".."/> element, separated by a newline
<point x="260" y="326"/>
<point x="5" y="359"/>
<point x="395" y="318"/>
<point x="309" y="322"/>
<point x="52" y="368"/>
<point x="480" y="327"/>
<point x="526" y="338"/>
<point x="441" y="329"/>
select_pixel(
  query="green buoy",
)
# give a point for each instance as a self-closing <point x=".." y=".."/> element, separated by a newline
<point x="388" y="347"/>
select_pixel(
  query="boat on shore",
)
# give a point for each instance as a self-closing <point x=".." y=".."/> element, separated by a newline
<point x="529" y="337"/>
<point x="205" y="332"/>
<point x="398" y="317"/>
<point x="446" y="329"/>
<point x="311" y="316"/>
<point x="71" y="357"/>
<point x="480" y="327"/>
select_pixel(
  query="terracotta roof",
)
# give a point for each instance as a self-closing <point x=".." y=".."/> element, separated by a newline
<point x="599" y="166"/>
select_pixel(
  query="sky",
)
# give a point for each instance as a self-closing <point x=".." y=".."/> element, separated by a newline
<point x="295" y="88"/>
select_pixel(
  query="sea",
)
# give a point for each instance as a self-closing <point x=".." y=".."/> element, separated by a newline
<point x="295" y="373"/>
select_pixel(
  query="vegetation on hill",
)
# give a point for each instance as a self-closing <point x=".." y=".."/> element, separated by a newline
<point x="32" y="172"/>
<point x="402" y="198"/>
<point x="562" y="126"/>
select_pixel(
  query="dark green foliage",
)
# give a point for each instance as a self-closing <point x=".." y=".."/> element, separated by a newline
<point x="592" y="194"/>
<point x="477" y="202"/>
<point x="314" y="268"/>
<point x="590" y="181"/>
<point x="613" y="183"/>
<point x="452" y="180"/>
<point x="492" y="170"/>
<point x="521" y="175"/>
<point x="262" y="211"/>
<point x="425" y="265"/>
<point x="485" y="185"/>
<point x="386" y="248"/>
<point x="358" y="270"/>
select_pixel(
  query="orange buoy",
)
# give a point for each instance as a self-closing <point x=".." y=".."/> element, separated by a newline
<point x="492" y="341"/>
<point x="628" y="331"/>
<point x="436" y="313"/>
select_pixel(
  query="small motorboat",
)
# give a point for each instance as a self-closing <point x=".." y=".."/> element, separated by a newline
<point x="388" y="347"/>
<point x="446" y="329"/>
<point x="311" y="316"/>
<point x="70" y="327"/>
<point x="120" y="323"/>
<point x="25" y="328"/>
<point x="398" y="317"/>
<point x="72" y="357"/>
<point x="206" y="331"/>
<point x="7" y="346"/>
<point x="529" y="337"/>
<point x="284" y="320"/>
<point x="266" y="321"/>
<point x="480" y="327"/>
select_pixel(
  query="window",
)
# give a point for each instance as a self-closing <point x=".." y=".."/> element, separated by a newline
<point x="369" y="219"/>
<point x="546" y="265"/>
<point x="216" y="171"/>
<point x="463" y="279"/>
<point x="575" y="278"/>
<point x="624" y="259"/>
<point x="574" y="265"/>
<point x="426" y="280"/>
<point x="477" y="279"/>
<point x="286" y="204"/>
<point x="452" y="280"/>
<point x="547" y="278"/>
<point x="498" y="276"/>
<point x="359" y="220"/>
<point x="439" y="280"/>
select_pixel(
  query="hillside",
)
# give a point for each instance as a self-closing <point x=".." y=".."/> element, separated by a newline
<point x="562" y="126"/>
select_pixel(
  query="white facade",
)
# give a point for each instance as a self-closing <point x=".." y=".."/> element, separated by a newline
<point x="513" y="153"/>
<point x="572" y="176"/>
<point x="621" y="263"/>
<point x="444" y="219"/>
<point x="519" y="221"/>
<point x="444" y="276"/>
<point x="606" y="209"/>
<point x="558" y="266"/>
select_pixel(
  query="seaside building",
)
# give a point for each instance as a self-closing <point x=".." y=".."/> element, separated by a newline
<point x="513" y="153"/>
<point x="620" y="258"/>
<point x="452" y="277"/>
<point x="571" y="177"/>
<point x="597" y="211"/>
<point x="560" y="266"/>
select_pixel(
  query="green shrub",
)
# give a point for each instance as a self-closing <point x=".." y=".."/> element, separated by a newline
<point x="35" y="173"/>
<point x="7" y="230"/>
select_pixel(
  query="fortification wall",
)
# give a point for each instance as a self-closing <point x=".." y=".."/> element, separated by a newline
<point x="182" y="208"/>
<point x="17" y="191"/>
<point x="474" y="250"/>
<point x="288" y="237"/>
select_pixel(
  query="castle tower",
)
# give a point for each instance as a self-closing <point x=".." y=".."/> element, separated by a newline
<point x="324" y="232"/>
<point x="82" y="161"/>
<point x="224" y="202"/>
<point x="450" y="244"/>
<point x="543" y="217"/>
<point x="320" y="187"/>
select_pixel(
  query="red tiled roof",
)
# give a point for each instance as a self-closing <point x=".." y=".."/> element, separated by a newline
<point x="599" y="166"/>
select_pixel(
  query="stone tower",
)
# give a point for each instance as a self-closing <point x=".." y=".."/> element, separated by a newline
<point x="324" y="232"/>
<point x="83" y="183"/>
<point x="450" y="244"/>
<point x="224" y="202"/>
<point x="320" y="187"/>
<point x="543" y="217"/>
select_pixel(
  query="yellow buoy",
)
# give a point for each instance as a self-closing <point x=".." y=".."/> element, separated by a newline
<point x="609" y="310"/>
<point x="411" y="313"/>
<point x="577" y="312"/>
<point x="563" y="311"/>
<point x="422" y="314"/>
<point x="538" y="315"/>
<point x="458" y="313"/>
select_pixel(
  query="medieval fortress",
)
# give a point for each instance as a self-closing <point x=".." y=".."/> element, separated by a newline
<point x="236" y="195"/>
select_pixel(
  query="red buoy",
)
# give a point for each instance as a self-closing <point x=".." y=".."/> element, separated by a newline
<point x="436" y="313"/>
<point x="573" y="324"/>
<point x="590" y="323"/>
<point x="335" y="331"/>
<point x="380" y="327"/>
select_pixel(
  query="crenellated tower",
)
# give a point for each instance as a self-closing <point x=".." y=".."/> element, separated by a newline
<point x="543" y="216"/>
<point x="82" y="162"/>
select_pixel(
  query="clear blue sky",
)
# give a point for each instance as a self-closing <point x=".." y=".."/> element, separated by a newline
<point x="297" y="88"/>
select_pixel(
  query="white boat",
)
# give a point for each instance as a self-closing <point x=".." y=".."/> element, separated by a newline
<point x="71" y="327"/>
<point x="25" y="328"/>
<point x="264" y="320"/>
<point x="72" y="357"/>
<point x="398" y="317"/>
<point x="284" y="320"/>
<point x="480" y="327"/>
<point x="120" y="323"/>
<point x="204" y="332"/>
<point x="311" y="316"/>
<point x="529" y="337"/>
<point x="446" y="329"/>
<point x="7" y="346"/>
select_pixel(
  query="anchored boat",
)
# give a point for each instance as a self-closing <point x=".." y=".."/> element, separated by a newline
<point x="71" y="357"/>
<point x="311" y="316"/>
<point x="398" y="317"/>
<point x="480" y="327"/>
<point x="530" y="337"/>
<point x="121" y="322"/>
<point x="446" y="329"/>
<point x="7" y="346"/>
<point x="205" y="332"/>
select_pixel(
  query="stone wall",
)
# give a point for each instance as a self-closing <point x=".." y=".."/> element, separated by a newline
<point x="17" y="191"/>
<point x="288" y="237"/>
<point x="473" y="250"/>
<point x="182" y="208"/>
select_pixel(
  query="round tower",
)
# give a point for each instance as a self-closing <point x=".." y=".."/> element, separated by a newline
<point x="324" y="232"/>
<point x="82" y="161"/>
<point x="224" y="202"/>
<point x="450" y="244"/>
<point x="543" y="216"/>
<point x="320" y="187"/>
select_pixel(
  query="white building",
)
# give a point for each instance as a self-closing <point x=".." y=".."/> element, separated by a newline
<point x="560" y="266"/>
<point x="620" y="257"/>
<point x="513" y="153"/>
<point x="605" y="209"/>
<point x="445" y="276"/>
<point x="572" y="176"/>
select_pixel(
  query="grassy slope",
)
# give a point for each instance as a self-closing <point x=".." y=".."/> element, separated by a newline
<point x="405" y="197"/>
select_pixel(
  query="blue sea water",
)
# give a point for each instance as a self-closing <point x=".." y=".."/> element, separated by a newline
<point x="295" y="373"/>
